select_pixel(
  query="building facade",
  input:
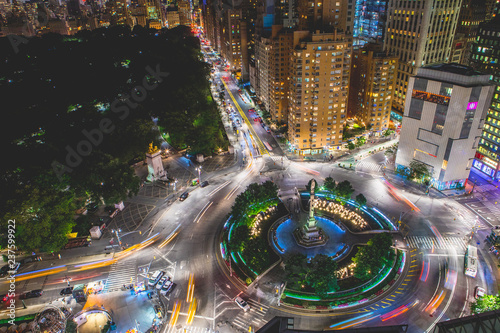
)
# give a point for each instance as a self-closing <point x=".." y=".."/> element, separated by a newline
<point x="319" y="79"/>
<point x="373" y="76"/>
<point x="486" y="58"/>
<point x="445" y="109"/>
<point x="273" y="66"/>
<point x="420" y="33"/>
<point x="369" y="21"/>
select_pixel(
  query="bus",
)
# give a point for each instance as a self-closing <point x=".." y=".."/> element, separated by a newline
<point x="471" y="261"/>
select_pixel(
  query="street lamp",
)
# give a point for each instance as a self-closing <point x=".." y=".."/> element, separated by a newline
<point x="199" y="173"/>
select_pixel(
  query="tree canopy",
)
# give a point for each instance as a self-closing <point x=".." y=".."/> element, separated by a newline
<point x="371" y="258"/>
<point x="318" y="274"/>
<point x="344" y="189"/>
<point x="80" y="111"/>
<point x="485" y="303"/>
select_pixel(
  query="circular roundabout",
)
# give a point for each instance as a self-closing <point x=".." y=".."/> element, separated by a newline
<point x="325" y="251"/>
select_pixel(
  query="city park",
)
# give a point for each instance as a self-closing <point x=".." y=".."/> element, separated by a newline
<point x="329" y="252"/>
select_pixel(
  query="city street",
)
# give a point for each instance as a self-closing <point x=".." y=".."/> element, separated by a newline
<point x="181" y="238"/>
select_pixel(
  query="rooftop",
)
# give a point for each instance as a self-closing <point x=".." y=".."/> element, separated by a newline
<point x="455" y="69"/>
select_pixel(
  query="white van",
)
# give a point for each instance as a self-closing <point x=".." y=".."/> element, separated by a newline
<point x="155" y="278"/>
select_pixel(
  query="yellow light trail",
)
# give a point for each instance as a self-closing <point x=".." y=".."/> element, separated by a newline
<point x="175" y="313"/>
<point x="190" y="290"/>
<point x="191" y="312"/>
<point x="262" y="148"/>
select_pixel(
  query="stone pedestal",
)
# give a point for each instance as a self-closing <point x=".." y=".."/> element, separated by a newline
<point x="155" y="166"/>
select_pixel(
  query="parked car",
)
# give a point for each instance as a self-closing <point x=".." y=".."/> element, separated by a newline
<point x="167" y="287"/>
<point x="242" y="304"/>
<point x="160" y="283"/>
<point x="32" y="294"/>
<point x="153" y="280"/>
<point x="479" y="292"/>
<point x="66" y="291"/>
<point x="251" y="110"/>
<point x="205" y="183"/>
<point x="10" y="269"/>
<point x="184" y="196"/>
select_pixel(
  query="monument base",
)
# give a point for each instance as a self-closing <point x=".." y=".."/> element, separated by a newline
<point x="310" y="237"/>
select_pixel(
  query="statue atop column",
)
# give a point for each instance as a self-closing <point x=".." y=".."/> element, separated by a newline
<point x="309" y="235"/>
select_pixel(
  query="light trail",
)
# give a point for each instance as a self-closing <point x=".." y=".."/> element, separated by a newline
<point x="353" y="322"/>
<point x="218" y="188"/>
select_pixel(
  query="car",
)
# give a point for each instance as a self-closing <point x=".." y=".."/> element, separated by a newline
<point x="5" y="298"/>
<point x="263" y="125"/>
<point x="32" y="294"/>
<point x="184" y="196"/>
<point x="479" y="292"/>
<point x="268" y="130"/>
<point x="153" y="280"/>
<point x="205" y="183"/>
<point x="251" y="110"/>
<point x="242" y="303"/>
<point x="66" y="291"/>
<point x="166" y="287"/>
<point x="160" y="283"/>
<point x="10" y="269"/>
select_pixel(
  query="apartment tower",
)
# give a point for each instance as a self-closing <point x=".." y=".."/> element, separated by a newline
<point x="319" y="81"/>
<point x="420" y="33"/>
<point x="373" y="76"/>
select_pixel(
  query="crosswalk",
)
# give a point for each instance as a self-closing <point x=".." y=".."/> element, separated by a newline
<point x="277" y="158"/>
<point x="445" y="243"/>
<point x="121" y="273"/>
<point x="492" y="208"/>
<point x="184" y="329"/>
<point x="254" y="318"/>
<point x="368" y="166"/>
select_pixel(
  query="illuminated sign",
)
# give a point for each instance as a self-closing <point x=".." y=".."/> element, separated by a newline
<point x="476" y="164"/>
<point x="472" y="106"/>
<point x="425" y="152"/>
<point x="490" y="162"/>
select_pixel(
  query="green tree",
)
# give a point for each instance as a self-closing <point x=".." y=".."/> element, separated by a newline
<point x="322" y="277"/>
<point x="308" y="186"/>
<point x="361" y="200"/>
<point x="239" y="238"/>
<point x="419" y="170"/>
<point x="485" y="303"/>
<point x="296" y="269"/>
<point x="344" y="189"/>
<point x="361" y="141"/>
<point x="330" y="185"/>
<point x="371" y="258"/>
<point x="351" y="145"/>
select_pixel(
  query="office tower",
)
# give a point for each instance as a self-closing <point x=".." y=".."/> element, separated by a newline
<point x="319" y="81"/>
<point x="173" y="18"/>
<point x="326" y="15"/>
<point x="445" y="108"/>
<point x="152" y="13"/>
<point x="231" y="39"/>
<point x="272" y="66"/>
<point x="472" y="13"/>
<point x="373" y="75"/>
<point x="419" y="33"/>
<point x="120" y="14"/>
<point x="486" y="58"/>
<point x="369" y="21"/>
<point x="184" y="9"/>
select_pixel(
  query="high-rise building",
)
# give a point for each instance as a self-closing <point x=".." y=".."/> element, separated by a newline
<point x="369" y="21"/>
<point x="373" y="76"/>
<point x="231" y="39"/>
<point x="486" y="58"/>
<point x="419" y="33"/>
<point x="319" y="81"/>
<point x="326" y="15"/>
<point x="445" y="108"/>
<point x="472" y="13"/>
<point x="273" y="66"/>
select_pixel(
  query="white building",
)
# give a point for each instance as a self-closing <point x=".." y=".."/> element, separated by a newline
<point x="444" y="114"/>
